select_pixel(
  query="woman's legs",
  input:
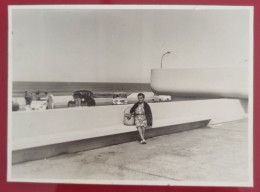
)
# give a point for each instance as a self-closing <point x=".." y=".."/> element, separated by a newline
<point x="143" y="131"/>
<point x="140" y="130"/>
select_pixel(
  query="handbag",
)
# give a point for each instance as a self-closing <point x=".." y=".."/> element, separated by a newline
<point x="128" y="121"/>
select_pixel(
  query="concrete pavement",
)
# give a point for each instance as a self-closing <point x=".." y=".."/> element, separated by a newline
<point x="209" y="154"/>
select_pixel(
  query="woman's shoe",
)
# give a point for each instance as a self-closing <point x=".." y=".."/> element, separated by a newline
<point x="143" y="142"/>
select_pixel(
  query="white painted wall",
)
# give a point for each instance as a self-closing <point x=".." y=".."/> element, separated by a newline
<point x="39" y="123"/>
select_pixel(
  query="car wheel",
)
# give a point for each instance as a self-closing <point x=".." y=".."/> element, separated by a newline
<point x="92" y="102"/>
<point x="70" y="104"/>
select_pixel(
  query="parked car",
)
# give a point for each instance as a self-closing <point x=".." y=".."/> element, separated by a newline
<point x="161" y="98"/>
<point x="82" y="98"/>
<point x="15" y="106"/>
<point x="38" y="105"/>
<point x="120" y="98"/>
<point x="41" y="102"/>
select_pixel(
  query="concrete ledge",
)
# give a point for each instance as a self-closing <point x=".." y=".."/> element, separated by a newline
<point x="35" y="153"/>
<point x="38" y="130"/>
<point x="54" y="138"/>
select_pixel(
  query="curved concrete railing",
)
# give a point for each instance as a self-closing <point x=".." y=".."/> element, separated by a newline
<point x="206" y="82"/>
<point x="39" y="128"/>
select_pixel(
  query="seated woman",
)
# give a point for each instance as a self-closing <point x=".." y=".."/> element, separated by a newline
<point x="143" y="116"/>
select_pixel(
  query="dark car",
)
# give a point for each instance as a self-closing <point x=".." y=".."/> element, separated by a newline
<point x="82" y="98"/>
<point x="15" y="106"/>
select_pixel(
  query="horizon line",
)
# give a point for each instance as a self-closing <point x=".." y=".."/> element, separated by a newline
<point x="79" y="82"/>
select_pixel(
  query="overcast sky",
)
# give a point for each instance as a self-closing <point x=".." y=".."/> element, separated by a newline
<point x="91" y="45"/>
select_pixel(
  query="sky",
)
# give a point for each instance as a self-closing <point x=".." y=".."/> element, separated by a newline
<point x="123" y="45"/>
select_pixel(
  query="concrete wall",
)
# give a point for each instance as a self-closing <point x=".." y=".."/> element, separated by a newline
<point x="207" y="82"/>
<point x="42" y="152"/>
<point x="39" y="123"/>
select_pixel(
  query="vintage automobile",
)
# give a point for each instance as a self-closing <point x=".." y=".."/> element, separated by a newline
<point x="38" y="105"/>
<point x="82" y="98"/>
<point x="41" y="102"/>
<point x="120" y="98"/>
<point x="15" y="106"/>
<point x="161" y="98"/>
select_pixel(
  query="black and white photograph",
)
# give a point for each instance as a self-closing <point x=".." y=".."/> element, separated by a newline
<point x="130" y="94"/>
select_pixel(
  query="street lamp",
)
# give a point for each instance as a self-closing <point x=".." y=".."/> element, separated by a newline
<point x="168" y="52"/>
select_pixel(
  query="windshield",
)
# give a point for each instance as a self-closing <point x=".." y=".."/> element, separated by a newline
<point x="122" y="95"/>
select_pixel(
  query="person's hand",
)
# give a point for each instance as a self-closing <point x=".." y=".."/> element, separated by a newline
<point x="128" y="116"/>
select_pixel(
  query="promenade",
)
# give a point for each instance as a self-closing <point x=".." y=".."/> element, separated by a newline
<point x="210" y="154"/>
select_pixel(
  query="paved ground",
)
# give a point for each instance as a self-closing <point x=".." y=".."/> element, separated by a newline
<point x="215" y="154"/>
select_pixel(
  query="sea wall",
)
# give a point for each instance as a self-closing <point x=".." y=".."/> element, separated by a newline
<point x="27" y="124"/>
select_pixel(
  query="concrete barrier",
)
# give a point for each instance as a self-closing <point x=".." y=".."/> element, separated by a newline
<point x="34" y="129"/>
<point x="40" y="123"/>
<point x="42" y="152"/>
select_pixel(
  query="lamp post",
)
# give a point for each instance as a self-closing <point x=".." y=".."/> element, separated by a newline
<point x="168" y="52"/>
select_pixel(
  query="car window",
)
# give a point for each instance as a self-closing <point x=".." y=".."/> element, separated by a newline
<point x="123" y="95"/>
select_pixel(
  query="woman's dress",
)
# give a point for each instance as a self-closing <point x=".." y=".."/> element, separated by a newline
<point x="140" y="118"/>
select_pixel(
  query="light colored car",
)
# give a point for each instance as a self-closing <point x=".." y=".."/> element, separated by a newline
<point x="43" y="103"/>
<point x="15" y="105"/>
<point x="161" y="98"/>
<point x="120" y="98"/>
<point x="38" y="105"/>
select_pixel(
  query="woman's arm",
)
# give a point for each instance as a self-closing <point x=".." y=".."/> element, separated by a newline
<point x="148" y="114"/>
<point x="132" y="110"/>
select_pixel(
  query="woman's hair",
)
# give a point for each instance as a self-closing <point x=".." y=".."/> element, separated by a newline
<point x="141" y="94"/>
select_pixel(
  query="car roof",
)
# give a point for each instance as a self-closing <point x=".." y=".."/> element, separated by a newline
<point x="82" y="91"/>
<point x="119" y="93"/>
